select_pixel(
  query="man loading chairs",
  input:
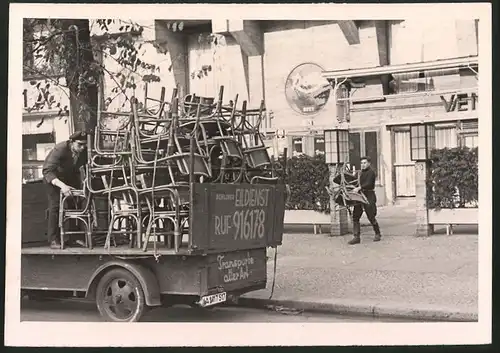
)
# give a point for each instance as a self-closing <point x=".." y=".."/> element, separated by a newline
<point x="61" y="176"/>
<point x="358" y="192"/>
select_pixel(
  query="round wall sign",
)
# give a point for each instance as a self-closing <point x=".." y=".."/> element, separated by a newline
<point x="306" y="90"/>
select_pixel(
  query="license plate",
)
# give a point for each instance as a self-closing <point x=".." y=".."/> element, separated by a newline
<point x="213" y="299"/>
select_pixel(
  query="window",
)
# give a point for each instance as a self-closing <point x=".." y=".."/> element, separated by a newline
<point x="297" y="147"/>
<point x="446" y="136"/>
<point x="364" y="143"/>
<point x="343" y="105"/>
<point x="470" y="140"/>
<point x="355" y="149"/>
<point x="371" y="148"/>
<point x="469" y="135"/>
<point x="29" y="154"/>
<point x="31" y="142"/>
<point x="412" y="82"/>
<point x="31" y="173"/>
<point x="319" y="145"/>
<point x="35" y="33"/>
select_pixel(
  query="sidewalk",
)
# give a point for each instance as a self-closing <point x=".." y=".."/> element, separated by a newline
<point x="432" y="278"/>
<point x="391" y="215"/>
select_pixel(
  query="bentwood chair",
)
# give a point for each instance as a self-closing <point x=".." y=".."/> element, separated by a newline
<point x="77" y="210"/>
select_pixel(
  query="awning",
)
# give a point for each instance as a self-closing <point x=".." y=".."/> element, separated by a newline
<point x="443" y="64"/>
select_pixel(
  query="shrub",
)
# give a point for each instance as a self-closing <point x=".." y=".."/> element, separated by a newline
<point x="453" y="178"/>
<point x="308" y="176"/>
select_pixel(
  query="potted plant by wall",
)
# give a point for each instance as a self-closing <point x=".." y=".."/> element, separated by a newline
<point x="453" y="187"/>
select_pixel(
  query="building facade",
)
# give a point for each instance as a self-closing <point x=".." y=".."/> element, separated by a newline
<point x="393" y="73"/>
<point x="42" y="127"/>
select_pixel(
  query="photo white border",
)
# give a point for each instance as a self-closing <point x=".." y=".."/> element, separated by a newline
<point x="243" y="334"/>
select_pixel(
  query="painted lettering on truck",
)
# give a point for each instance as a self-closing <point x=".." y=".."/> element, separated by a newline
<point x="235" y="270"/>
<point x="247" y="220"/>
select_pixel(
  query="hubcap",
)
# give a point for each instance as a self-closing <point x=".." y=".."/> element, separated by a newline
<point x="120" y="299"/>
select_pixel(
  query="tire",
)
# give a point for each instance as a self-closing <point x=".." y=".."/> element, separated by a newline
<point x="120" y="297"/>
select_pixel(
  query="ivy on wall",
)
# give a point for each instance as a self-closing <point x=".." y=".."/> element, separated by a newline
<point x="453" y="178"/>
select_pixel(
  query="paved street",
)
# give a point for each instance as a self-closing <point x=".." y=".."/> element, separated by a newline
<point x="77" y="312"/>
<point x="402" y="271"/>
<point x="438" y="272"/>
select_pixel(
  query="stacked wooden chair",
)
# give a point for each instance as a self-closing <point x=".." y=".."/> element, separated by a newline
<point x="342" y="187"/>
<point x="143" y="161"/>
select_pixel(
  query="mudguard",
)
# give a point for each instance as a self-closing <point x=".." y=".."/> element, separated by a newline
<point x="146" y="278"/>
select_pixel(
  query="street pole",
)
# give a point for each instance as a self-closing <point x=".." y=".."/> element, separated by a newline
<point x="339" y="220"/>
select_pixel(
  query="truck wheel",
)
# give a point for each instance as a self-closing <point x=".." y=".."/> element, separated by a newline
<point x="120" y="297"/>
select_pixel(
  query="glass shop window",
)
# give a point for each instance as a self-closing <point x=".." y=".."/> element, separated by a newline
<point x="297" y="145"/>
<point x="319" y="145"/>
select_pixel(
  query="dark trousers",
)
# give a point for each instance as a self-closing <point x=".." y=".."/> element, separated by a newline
<point x="53" y="230"/>
<point x="371" y="213"/>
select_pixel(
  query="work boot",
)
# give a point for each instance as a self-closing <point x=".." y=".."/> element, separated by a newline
<point x="378" y="236"/>
<point x="356" y="229"/>
<point x="354" y="240"/>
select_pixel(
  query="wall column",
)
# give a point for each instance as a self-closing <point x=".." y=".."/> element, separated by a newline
<point x="423" y="229"/>
<point x="176" y="45"/>
<point x="339" y="220"/>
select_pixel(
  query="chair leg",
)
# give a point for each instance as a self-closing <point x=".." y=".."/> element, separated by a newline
<point x="89" y="244"/>
<point x="177" y="235"/>
<point x="107" y="244"/>
<point x="148" y="232"/>
<point x="61" y="228"/>
<point x="62" y="236"/>
<point x="138" y="231"/>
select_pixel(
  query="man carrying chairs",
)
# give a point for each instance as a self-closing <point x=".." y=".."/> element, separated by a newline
<point x="366" y="181"/>
<point x="359" y="193"/>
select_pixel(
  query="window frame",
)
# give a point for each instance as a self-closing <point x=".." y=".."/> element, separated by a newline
<point x="467" y="132"/>
<point x="296" y="138"/>
<point x="314" y="144"/>
<point x="362" y="146"/>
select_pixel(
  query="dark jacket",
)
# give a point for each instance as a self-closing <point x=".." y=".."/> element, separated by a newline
<point x="59" y="164"/>
<point x="367" y="179"/>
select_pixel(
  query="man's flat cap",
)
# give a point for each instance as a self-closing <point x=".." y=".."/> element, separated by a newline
<point x="79" y="136"/>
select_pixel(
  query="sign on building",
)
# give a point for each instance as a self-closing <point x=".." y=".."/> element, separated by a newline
<point x="462" y="102"/>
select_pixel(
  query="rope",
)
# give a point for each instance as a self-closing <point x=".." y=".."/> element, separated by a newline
<point x="155" y="250"/>
<point x="284" y="310"/>
<point x="274" y="271"/>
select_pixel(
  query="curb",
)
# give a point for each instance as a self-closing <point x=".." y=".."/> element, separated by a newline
<point x="381" y="311"/>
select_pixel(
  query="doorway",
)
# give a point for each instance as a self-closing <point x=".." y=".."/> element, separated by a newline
<point x="404" y="167"/>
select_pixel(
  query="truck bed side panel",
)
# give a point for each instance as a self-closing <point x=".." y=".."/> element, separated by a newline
<point x="178" y="274"/>
<point x="34" y="204"/>
<point x="175" y="275"/>
<point x="229" y="217"/>
<point x="58" y="272"/>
